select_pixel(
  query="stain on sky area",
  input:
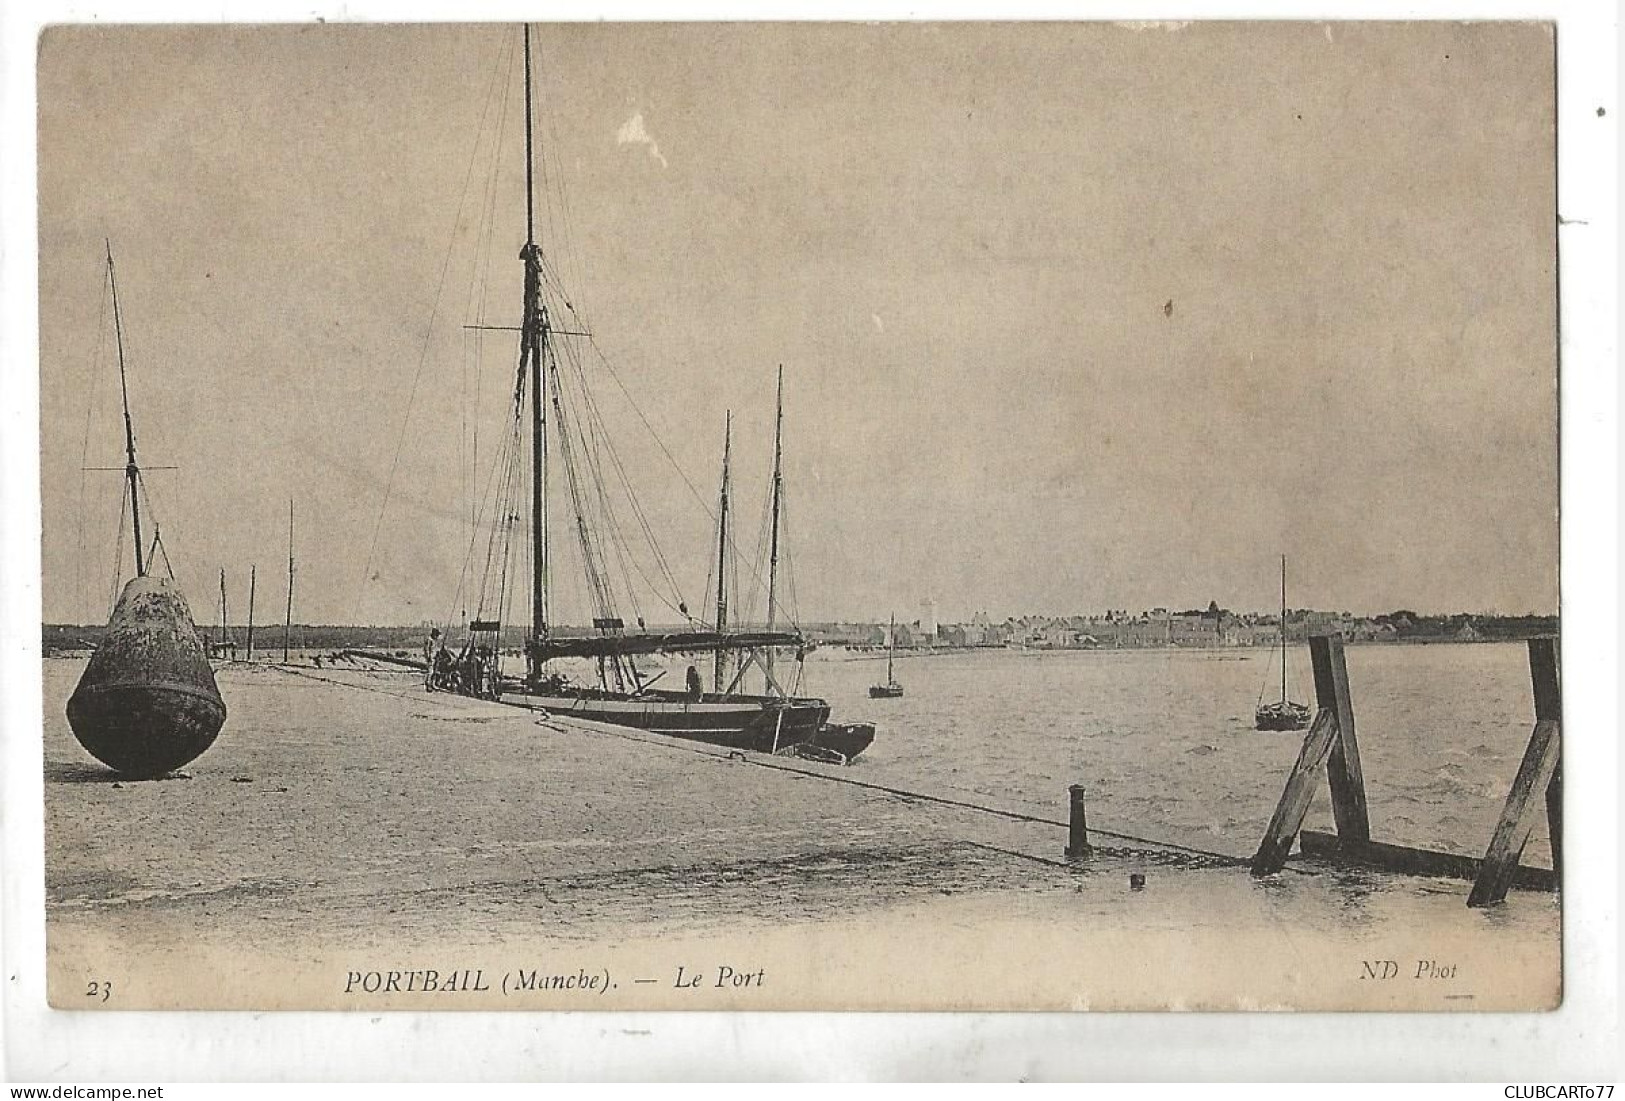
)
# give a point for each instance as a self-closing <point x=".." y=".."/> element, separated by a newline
<point x="947" y="234"/>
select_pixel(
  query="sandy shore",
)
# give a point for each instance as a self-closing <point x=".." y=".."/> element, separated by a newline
<point x="348" y="825"/>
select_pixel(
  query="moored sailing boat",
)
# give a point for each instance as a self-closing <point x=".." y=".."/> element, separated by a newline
<point x="1284" y="714"/>
<point x="563" y="433"/>
<point x="891" y="689"/>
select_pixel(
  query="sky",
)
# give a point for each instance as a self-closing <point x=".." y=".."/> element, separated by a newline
<point x="1072" y="317"/>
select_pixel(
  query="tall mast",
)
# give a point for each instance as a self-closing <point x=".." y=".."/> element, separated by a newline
<point x="250" y="643"/>
<point x="773" y="544"/>
<point x="891" y="649"/>
<point x="131" y="471"/>
<point x="532" y="351"/>
<point x="530" y="193"/>
<point x="1283" y="628"/>
<point x="222" y="608"/>
<point x="722" y="549"/>
<point x="287" y="624"/>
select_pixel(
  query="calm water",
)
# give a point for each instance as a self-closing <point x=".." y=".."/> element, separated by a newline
<point x="1164" y="739"/>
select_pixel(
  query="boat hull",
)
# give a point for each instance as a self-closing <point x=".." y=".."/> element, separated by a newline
<point x="885" y="691"/>
<point x="147" y="702"/>
<point x="741" y="722"/>
<point x="847" y="739"/>
<point x="1290" y="716"/>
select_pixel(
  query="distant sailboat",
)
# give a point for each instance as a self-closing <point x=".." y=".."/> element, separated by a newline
<point x="1285" y="714"/>
<point x="891" y="689"/>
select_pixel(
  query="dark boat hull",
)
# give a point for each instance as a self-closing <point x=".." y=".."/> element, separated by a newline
<point x="885" y="691"/>
<point x="846" y="739"/>
<point x="147" y="703"/>
<point x="1274" y="716"/>
<point x="755" y="723"/>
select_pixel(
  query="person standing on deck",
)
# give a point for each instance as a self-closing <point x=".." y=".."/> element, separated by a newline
<point x="431" y="649"/>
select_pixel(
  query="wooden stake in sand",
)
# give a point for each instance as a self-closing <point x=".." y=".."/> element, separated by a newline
<point x="1077" y="842"/>
<point x="1538" y="775"/>
<point x="1329" y="742"/>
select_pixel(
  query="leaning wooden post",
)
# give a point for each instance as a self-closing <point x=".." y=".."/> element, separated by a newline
<point x="1077" y="841"/>
<point x="1545" y="656"/>
<point x="1535" y="778"/>
<point x="1295" y="799"/>
<point x="1343" y="769"/>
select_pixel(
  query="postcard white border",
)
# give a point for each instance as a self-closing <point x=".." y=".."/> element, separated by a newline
<point x="1579" y="1042"/>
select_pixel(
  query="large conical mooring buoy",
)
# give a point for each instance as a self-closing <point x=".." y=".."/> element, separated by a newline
<point x="147" y="702"/>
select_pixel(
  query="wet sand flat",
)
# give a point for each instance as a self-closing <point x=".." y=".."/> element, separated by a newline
<point x="349" y="824"/>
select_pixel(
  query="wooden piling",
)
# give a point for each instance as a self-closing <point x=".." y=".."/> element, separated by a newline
<point x="1545" y="655"/>
<point x="1077" y="841"/>
<point x="1295" y="799"/>
<point x="1535" y="779"/>
<point x="1343" y="769"/>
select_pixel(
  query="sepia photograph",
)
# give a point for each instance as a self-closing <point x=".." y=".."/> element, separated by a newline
<point x="801" y="516"/>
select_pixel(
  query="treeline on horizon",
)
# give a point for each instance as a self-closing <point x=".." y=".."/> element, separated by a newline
<point x="1408" y="626"/>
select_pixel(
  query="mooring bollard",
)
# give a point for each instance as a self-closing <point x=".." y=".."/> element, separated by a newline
<point x="1077" y="841"/>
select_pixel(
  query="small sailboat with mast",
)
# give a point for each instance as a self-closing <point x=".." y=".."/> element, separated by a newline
<point x="1284" y="714"/>
<point x="891" y="689"/>
<point x="555" y="433"/>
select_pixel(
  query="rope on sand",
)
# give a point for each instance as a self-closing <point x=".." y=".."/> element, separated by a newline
<point x="1207" y="855"/>
<point x="1225" y="859"/>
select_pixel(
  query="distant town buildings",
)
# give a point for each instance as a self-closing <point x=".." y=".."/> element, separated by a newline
<point x="1160" y="627"/>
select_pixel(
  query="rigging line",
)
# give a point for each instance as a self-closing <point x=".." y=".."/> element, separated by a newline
<point x="505" y="504"/>
<point x="759" y="564"/>
<point x="498" y="547"/>
<point x="483" y="246"/>
<point x="462" y="446"/>
<point x="498" y="499"/>
<point x="604" y="519"/>
<point x="417" y="377"/>
<point x="90" y="409"/>
<point x="590" y="563"/>
<point x="652" y="433"/>
<point x="617" y="542"/>
<point x="496" y="494"/>
<point x="664" y="450"/>
<point x="603" y="523"/>
<point x="630" y="565"/>
<point x="118" y="549"/>
<point x="632" y="498"/>
<point x="146" y="497"/>
<point x="553" y="180"/>
<point x="493" y="590"/>
<point x="158" y="545"/>
<point x="775" y="764"/>
<point x="629" y="562"/>
<point x="661" y="561"/>
<point x="480" y="273"/>
<point x="788" y="560"/>
<point x="488" y="189"/>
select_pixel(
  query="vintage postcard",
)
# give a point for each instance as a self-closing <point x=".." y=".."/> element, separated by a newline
<point x="751" y="516"/>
